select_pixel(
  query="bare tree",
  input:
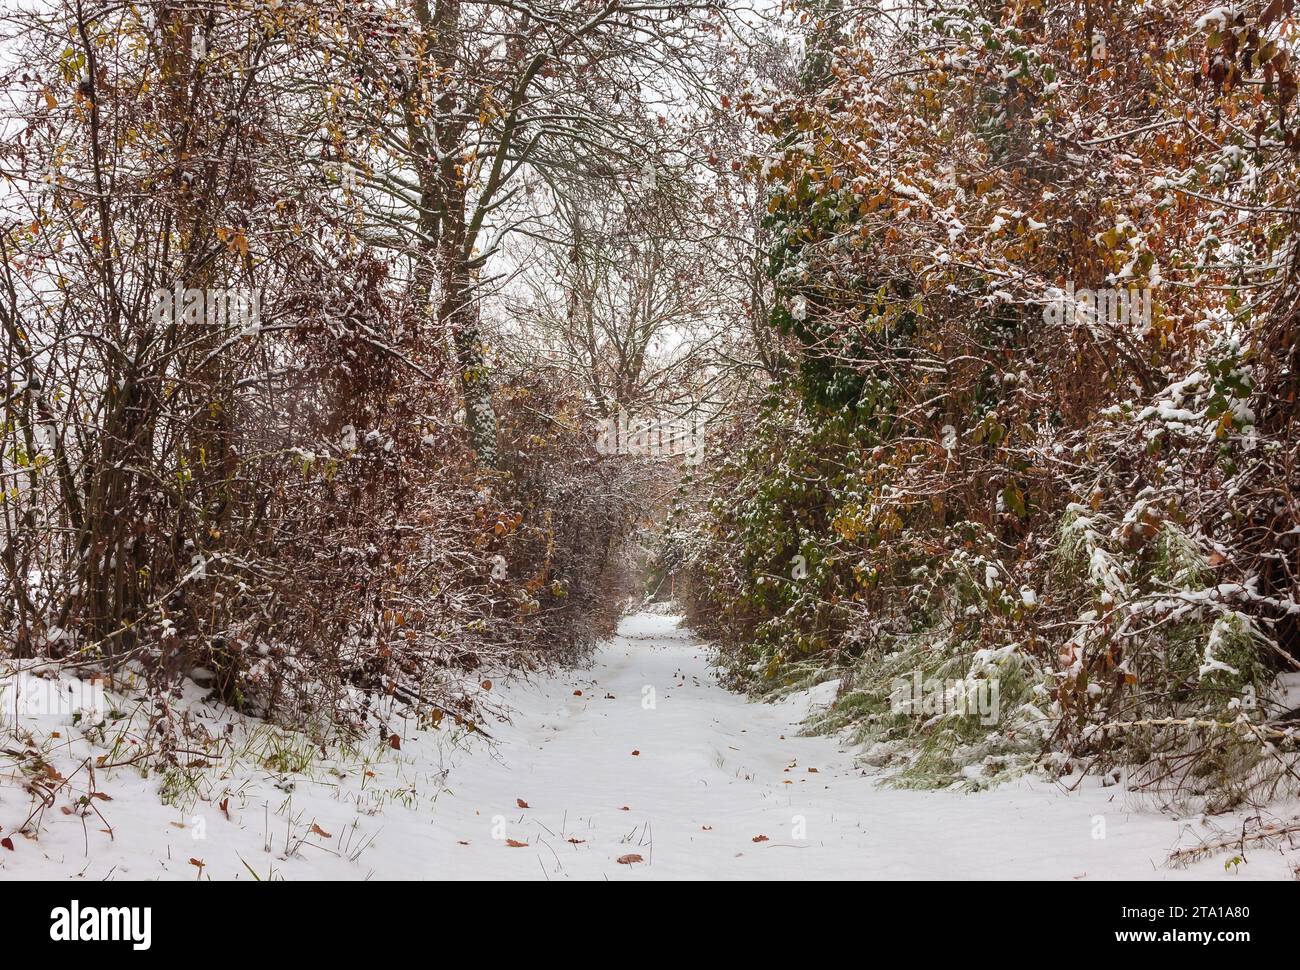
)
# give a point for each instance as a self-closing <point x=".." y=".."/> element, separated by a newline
<point x="624" y="301"/>
<point x="442" y="110"/>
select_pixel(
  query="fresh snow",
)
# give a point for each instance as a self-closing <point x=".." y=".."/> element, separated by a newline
<point x="653" y="758"/>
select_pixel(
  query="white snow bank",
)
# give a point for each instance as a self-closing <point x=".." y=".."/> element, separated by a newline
<point x="642" y="755"/>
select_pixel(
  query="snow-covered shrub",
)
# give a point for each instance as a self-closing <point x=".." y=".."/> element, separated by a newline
<point x="961" y="462"/>
<point x="284" y="509"/>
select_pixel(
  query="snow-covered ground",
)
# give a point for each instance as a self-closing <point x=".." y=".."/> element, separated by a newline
<point x="642" y="758"/>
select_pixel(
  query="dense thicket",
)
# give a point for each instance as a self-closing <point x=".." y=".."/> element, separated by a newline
<point x="966" y="469"/>
<point x="246" y="411"/>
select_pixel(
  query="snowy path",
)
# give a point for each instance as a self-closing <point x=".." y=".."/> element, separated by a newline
<point x="688" y="783"/>
<point x="716" y="771"/>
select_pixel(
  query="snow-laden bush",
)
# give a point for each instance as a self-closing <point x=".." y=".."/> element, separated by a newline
<point x="962" y="458"/>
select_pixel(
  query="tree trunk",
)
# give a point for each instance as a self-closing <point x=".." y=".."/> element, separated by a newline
<point x="460" y="312"/>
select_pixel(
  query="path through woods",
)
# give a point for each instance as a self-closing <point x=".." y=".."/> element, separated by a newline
<point x="642" y="756"/>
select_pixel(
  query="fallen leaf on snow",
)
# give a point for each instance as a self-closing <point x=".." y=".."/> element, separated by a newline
<point x="577" y="841"/>
<point x="7" y="843"/>
<point x="759" y="838"/>
<point x="627" y="860"/>
<point x="515" y="844"/>
<point x="317" y="830"/>
<point x="521" y="803"/>
<point x="395" y="742"/>
<point x="636" y="752"/>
